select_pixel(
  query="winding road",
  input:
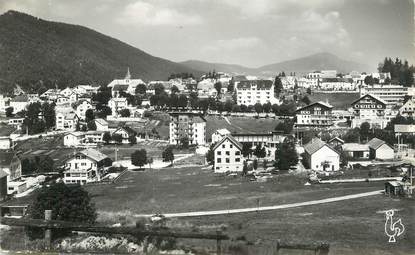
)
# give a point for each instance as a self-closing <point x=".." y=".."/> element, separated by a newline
<point x="265" y="208"/>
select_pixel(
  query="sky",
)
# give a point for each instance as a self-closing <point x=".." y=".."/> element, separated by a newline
<point x="246" y="32"/>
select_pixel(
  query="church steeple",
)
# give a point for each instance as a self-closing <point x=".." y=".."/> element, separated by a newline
<point x="128" y="75"/>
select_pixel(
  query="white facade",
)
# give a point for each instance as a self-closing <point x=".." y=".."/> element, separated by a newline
<point x="85" y="166"/>
<point x="325" y="159"/>
<point x="256" y="91"/>
<point x="408" y="109"/>
<point x="5" y="143"/>
<point x="228" y="156"/>
<point x="393" y="95"/>
<point x="81" y="108"/>
<point x="187" y="125"/>
<point x="66" y="121"/>
<point x="220" y="134"/>
<point x="116" y="104"/>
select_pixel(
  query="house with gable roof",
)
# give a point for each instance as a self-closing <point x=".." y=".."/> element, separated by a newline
<point x="379" y="149"/>
<point x="318" y="114"/>
<point x="228" y="155"/>
<point x="85" y="166"/>
<point x="320" y="156"/>
<point x="371" y="109"/>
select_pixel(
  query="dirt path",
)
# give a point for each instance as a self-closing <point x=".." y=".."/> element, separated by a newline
<point x="266" y="208"/>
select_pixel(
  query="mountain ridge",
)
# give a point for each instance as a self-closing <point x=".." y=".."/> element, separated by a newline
<point x="34" y="50"/>
<point x="310" y="63"/>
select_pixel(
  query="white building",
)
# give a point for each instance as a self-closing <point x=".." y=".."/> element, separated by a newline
<point x="379" y="149"/>
<point x="187" y="124"/>
<point x="85" y="166"/>
<point x="117" y="104"/>
<point x="81" y="107"/>
<point x="371" y="109"/>
<point x="19" y="103"/>
<point x="408" y="108"/>
<point x="102" y="125"/>
<point x="251" y="92"/>
<point x="317" y="114"/>
<point x="83" y="139"/>
<point x="393" y="95"/>
<point x="321" y="157"/>
<point x="127" y="85"/>
<point x="228" y="156"/>
<point x="66" y="120"/>
<point x="220" y="134"/>
<point x="337" y="84"/>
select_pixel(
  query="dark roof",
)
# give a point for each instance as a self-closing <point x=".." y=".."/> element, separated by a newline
<point x="120" y="87"/>
<point x="337" y="79"/>
<point x="261" y="84"/>
<point x="6" y="130"/>
<point x="79" y="102"/>
<point x="375" y="143"/>
<point x="372" y="96"/>
<point x="6" y="158"/>
<point x="336" y="138"/>
<point x="316" y="144"/>
<point x="21" y="98"/>
<point x="239" y="78"/>
<point x="326" y="105"/>
<point x="230" y="138"/>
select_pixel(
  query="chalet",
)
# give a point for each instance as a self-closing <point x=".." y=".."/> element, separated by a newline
<point x="379" y="149"/>
<point x="85" y="166"/>
<point x="317" y="114"/>
<point x="320" y="156"/>
<point x="371" y="109"/>
<point x="125" y="132"/>
<point x="408" y="108"/>
<point x="51" y="94"/>
<point x="228" y="156"/>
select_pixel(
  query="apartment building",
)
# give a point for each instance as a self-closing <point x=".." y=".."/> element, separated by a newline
<point x="393" y="95"/>
<point x="371" y="109"/>
<point x="251" y="92"/>
<point x="187" y="124"/>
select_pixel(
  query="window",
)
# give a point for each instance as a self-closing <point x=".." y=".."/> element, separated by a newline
<point x="219" y="153"/>
<point x="228" y="153"/>
<point x="237" y="160"/>
<point x="219" y="160"/>
<point x="231" y="146"/>
<point x="237" y="153"/>
<point x="68" y="175"/>
<point x="223" y="146"/>
<point x="227" y="160"/>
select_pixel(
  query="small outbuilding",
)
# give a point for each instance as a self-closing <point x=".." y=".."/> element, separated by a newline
<point x="395" y="188"/>
<point x="379" y="149"/>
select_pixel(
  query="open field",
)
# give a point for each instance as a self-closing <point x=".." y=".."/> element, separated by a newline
<point x="337" y="100"/>
<point x="192" y="188"/>
<point x="348" y="226"/>
<point x="351" y="227"/>
<point x="239" y="125"/>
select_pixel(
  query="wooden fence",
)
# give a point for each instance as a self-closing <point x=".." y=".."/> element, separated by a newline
<point x="48" y="224"/>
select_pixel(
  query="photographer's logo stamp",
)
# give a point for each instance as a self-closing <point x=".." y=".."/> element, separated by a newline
<point x="393" y="228"/>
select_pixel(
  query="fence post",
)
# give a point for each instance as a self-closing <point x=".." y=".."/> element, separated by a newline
<point x="277" y="248"/>
<point x="218" y="244"/>
<point x="48" y="232"/>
